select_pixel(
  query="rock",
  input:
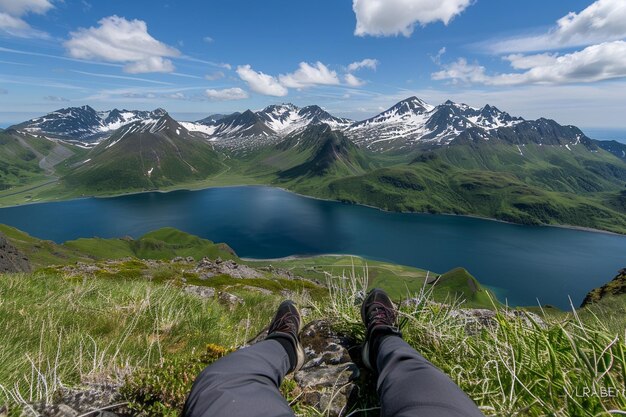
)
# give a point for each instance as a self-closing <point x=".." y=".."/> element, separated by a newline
<point x="206" y="275"/>
<point x="94" y="398"/>
<point x="81" y="269"/>
<point x="238" y="271"/>
<point x="230" y="300"/>
<point x="206" y="269"/>
<point x="278" y="272"/>
<point x="203" y="292"/>
<point x="12" y="259"/>
<point x="477" y="319"/>
<point x="328" y="375"/>
<point x="190" y="259"/>
<point x="65" y="411"/>
<point x="178" y="259"/>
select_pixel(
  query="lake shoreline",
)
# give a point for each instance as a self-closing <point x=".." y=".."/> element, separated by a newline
<point x="167" y="191"/>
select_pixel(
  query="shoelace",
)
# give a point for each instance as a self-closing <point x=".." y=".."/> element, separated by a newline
<point x="381" y="314"/>
<point x="285" y="326"/>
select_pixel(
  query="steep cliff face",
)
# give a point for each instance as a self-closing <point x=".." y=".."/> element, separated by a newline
<point x="11" y="259"/>
<point x="615" y="287"/>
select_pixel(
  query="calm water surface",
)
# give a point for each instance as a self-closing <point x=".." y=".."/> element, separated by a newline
<point x="521" y="263"/>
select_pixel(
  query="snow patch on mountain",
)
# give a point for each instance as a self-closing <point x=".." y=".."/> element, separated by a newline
<point x="85" y="124"/>
<point x="413" y="121"/>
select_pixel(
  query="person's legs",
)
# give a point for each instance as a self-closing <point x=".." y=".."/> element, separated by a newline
<point x="242" y="384"/>
<point x="408" y="385"/>
<point x="246" y="382"/>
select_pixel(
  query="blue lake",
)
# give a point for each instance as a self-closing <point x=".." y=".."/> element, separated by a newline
<point x="522" y="264"/>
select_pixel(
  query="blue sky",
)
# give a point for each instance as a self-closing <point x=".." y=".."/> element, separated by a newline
<point x="563" y="60"/>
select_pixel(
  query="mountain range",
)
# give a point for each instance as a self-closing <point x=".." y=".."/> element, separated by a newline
<point x="449" y="158"/>
<point x="407" y="125"/>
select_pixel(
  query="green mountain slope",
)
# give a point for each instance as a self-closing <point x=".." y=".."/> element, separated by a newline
<point x="327" y="152"/>
<point x="165" y="243"/>
<point x="144" y="155"/>
<point x="531" y="184"/>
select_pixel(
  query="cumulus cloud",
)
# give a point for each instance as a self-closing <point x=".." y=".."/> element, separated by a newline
<point x="308" y="75"/>
<point x="227" y="94"/>
<point x="366" y="63"/>
<point x="11" y="17"/>
<point x="261" y="83"/>
<point x="601" y="62"/>
<point x="602" y="21"/>
<point x="461" y="71"/>
<point x="125" y="41"/>
<point x="399" y="17"/>
<point x="353" y="81"/>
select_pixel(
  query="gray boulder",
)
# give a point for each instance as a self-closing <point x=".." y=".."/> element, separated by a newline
<point x="11" y="259"/>
<point x="328" y="376"/>
<point x="92" y="400"/>
<point x="202" y="292"/>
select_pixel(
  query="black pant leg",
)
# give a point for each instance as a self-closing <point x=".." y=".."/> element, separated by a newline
<point x="242" y="384"/>
<point x="409" y="385"/>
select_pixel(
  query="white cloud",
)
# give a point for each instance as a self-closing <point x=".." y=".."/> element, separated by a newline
<point x="261" y="83"/>
<point x="22" y="7"/>
<point x="56" y="99"/>
<point x="519" y="61"/>
<point x="308" y="75"/>
<point x="126" y="41"/>
<point x="227" y="94"/>
<point x="353" y="81"/>
<point x="601" y="21"/>
<point x="11" y="24"/>
<point x="437" y="58"/>
<point x="395" y="17"/>
<point x="460" y="71"/>
<point x="150" y="64"/>
<point x="215" y="76"/>
<point x="366" y="63"/>
<point x="12" y="11"/>
<point x="601" y="62"/>
<point x="176" y="96"/>
<point x="208" y="39"/>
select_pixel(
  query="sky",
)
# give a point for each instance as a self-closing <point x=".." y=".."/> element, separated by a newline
<point x="564" y="60"/>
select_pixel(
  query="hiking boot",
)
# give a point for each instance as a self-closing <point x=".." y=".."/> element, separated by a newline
<point x="284" y="329"/>
<point x="379" y="316"/>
